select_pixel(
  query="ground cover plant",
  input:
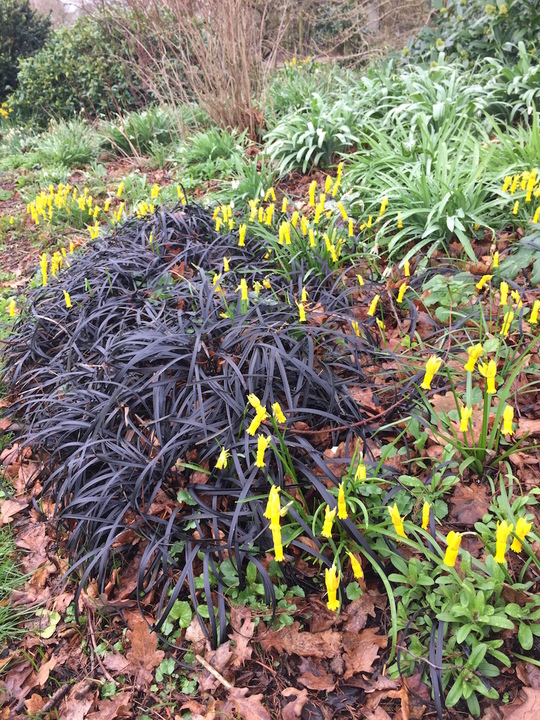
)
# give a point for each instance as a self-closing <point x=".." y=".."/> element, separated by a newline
<point x="275" y="406"/>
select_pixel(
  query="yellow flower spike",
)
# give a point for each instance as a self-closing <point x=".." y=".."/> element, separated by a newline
<point x="380" y="323"/>
<point x="318" y="213"/>
<point x="475" y="352"/>
<point x="351" y="227"/>
<point x="407" y="268"/>
<point x="331" y="580"/>
<point x="218" y="224"/>
<point x="360" y="280"/>
<point x="267" y="284"/>
<point x="508" y="417"/>
<point x="226" y="265"/>
<point x="284" y="205"/>
<point x="216" y="279"/>
<point x="294" y="218"/>
<point x="257" y="287"/>
<point x="261" y="215"/>
<point x="43" y="264"/>
<point x="356" y="327"/>
<point x="517" y="298"/>
<point x="536" y="217"/>
<point x="533" y="319"/>
<point x="523" y="528"/>
<point x="373" y="306"/>
<point x="515" y="208"/>
<point x="508" y="317"/>
<point x="327" y="184"/>
<point x="263" y="441"/>
<point x="504" y="293"/>
<point x="514" y="185"/>
<point x="342" y="210"/>
<point x="301" y="312"/>
<point x="489" y="371"/>
<point x="507" y="182"/>
<point x="397" y="520"/>
<point x="67" y="299"/>
<point x="278" y="546"/>
<point x="270" y="213"/>
<point x="278" y="413"/>
<point x="273" y="508"/>
<point x="322" y="200"/>
<point x="432" y="367"/>
<point x="356" y="567"/>
<point x="312" y="191"/>
<point x="221" y="463"/>
<point x="453" y="540"/>
<point x="64" y="253"/>
<point x="370" y="219"/>
<point x="243" y="289"/>
<point x="254" y="401"/>
<point x="304" y="297"/>
<point x="495" y="259"/>
<point x="399" y="221"/>
<point x="304" y="225"/>
<point x="120" y="190"/>
<point x="501" y="538"/>
<point x="242" y="235"/>
<point x="342" y="505"/>
<point x="257" y="420"/>
<point x="401" y="293"/>
<point x="464" y="416"/>
<point x="384" y="205"/>
<point x="311" y="238"/>
<point x="329" y="516"/>
<point x="270" y="194"/>
<point x="360" y="474"/>
<point x="12" y="307"/>
<point x="483" y="281"/>
<point x="425" y="515"/>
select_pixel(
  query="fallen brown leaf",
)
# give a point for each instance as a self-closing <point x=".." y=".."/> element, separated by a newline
<point x="528" y="674"/>
<point x="361" y="651"/>
<point x="143" y="654"/>
<point x="293" y="709"/>
<point x="117" y="707"/>
<point x="44" y="671"/>
<point x="34" y="703"/>
<point x="469" y="503"/>
<point x="529" y="709"/>
<point x="243" y="628"/>
<point x="291" y="640"/>
<point x="248" y="707"/>
<point x="356" y="614"/>
<point x="9" y="509"/>
<point x="78" y="702"/>
<point x="527" y="426"/>
<point x="116" y="663"/>
<point x="314" y="676"/>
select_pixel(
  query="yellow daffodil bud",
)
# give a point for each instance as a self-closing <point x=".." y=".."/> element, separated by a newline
<point x="504" y="293"/>
<point x="515" y="208"/>
<point x="270" y="194"/>
<point x="536" y="217"/>
<point x="399" y="221"/>
<point x="329" y="516"/>
<point x="312" y="191"/>
<point x="465" y="416"/>
<point x="260" y="417"/>
<point x="221" y="463"/>
<point x="533" y="319"/>
<point x="263" y="441"/>
<point x="370" y="220"/>
<point x="402" y="289"/>
<point x="381" y="325"/>
<point x="356" y="566"/>
<point x="342" y="505"/>
<point x="384" y="205"/>
<point x="243" y="289"/>
<point x="432" y="366"/>
<point x="267" y="284"/>
<point x="351" y="227"/>
<point x="360" y="280"/>
<point x="373" y="305"/>
<point x="407" y="268"/>
<point x="67" y="299"/>
<point x="304" y="297"/>
<point x="453" y="540"/>
<point x="216" y="279"/>
<point x="294" y="218"/>
<point x="273" y="508"/>
<point x="331" y="579"/>
<point x="501" y="538"/>
<point x="278" y="546"/>
<point x="12" y="307"/>
<point x="507" y="182"/>
<point x="311" y="235"/>
<point x="226" y="265"/>
<point x="43" y="264"/>
<point x="301" y="312"/>
<point x="120" y="190"/>
<point x="475" y="352"/>
<point x="254" y="401"/>
<point x="484" y="279"/>
<point x="495" y="259"/>
<point x="425" y="515"/>
<point x="284" y="205"/>
<point x="71" y="247"/>
<point x="342" y="210"/>
<point x="242" y="235"/>
<point x="356" y="327"/>
<point x="397" y="520"/>
<point x="327" y="184"/>
<point x="360" y="474"/>
<point x="489" y="371"/>
<point x="523" y="528"/>
<point x="278" y="413"/>
<point x="508" y="417"/>
<point x="507" y="321"/>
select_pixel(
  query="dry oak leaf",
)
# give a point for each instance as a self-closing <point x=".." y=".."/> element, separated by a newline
<point x="293" y="709"/>
<point x="34" y="703"/>
<point x="361" y="651"/>
<point x="314" y="676"/>
<point x="78" y="702"/>
<point x="243" y="629"/>
<point x="248" y="707"/>
<point x="469" y="503"/>
<point x="116" y="663"/>
<point x="289" y="640"/>
<point x="143" y="654"/>
<point x="527" y="710"/>
<point x="117" y="707"/>
<point x="357" y="612"/>
<point x="527" y="426"/>
<point x="9" y="509"/>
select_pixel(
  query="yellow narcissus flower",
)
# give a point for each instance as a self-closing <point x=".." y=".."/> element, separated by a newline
<point x="226" y="264"/>
<point x="278" y="413"/>
<point x="351" y="227"/>
<point x="331" y="579"/>
<point x="311" y="236"/>
<point x="243" y="289"/>
<point x="356" y="327"/>
<point x="312" y="191"/>
<point x="12" y="307"/>
<point x="360" y="280"/>
<point x="341" y="207"/>
<point x="329" y="516"/>
<point x="384" y="205"/>
<point x="67" y="299"/>
<point x="373" y="305"/>
<point x="489" y="371"/>
<point x="263" y="441"/>
<point x="242" y="235"/>
<point x="301" y="312"/>
<point x="536" y="217"/>
<point x="221" y="463"/>
<point x="507" y="182"/>
<point x="260" y="417"/>
<point x="327" y="184"/>
<point x="432" y="367"/>
<point x="399" y="221"/>
<point x="284" y="205"/>
<point x="425" y="515"/>
<point x="533" y="319"/>
<point x="407" y="268"/>
<point x="360" y="474"/>
<point x="475" y="352"/>
<point x="501" y="538"/>
<point x="120" y="190"/>
<point x="273" y="508"/>
<point x="484" y="279"/>
<point x="278" y="546"/>
<point x="71" y="247"/>
<point x="216" y="279"/>
<point x="515" y="208"/>
<point x="401" y="293"/>
<point x="254" y="401"/>
<point x="397" y="520"/>
<point x="507" y="321"/>
<point x="381" y="325"/>
<point x="294" y="218"/>
<point x="43" y="265"/>
<point x="523" y="528"/>
<point x="465" y="415"/>
<point x="508" y="417"/>
<point x="266" y="284"/>
<point x="504" y="293"/>
<point x="270" y="194"/>
<point x="342" y="505"/>
<point x="356" y="567"/>
<point x="496" y="259"/>
<point x="453" y="540"/>
<point x="304" y="297"/>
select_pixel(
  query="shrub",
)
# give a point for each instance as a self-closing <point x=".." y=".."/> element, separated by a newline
<point x="77" y="72"/>
<point x="24" y="31"/>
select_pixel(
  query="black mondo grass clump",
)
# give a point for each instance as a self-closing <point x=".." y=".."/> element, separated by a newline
<point x="126" y="395"/>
